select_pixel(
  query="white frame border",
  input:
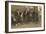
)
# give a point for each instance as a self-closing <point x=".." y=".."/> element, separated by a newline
<point x="25" y="29"/>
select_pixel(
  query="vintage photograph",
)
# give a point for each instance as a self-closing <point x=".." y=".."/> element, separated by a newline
<point x="24" y="16"/>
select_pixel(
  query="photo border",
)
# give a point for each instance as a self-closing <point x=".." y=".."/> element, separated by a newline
<point x="7" y="14"/>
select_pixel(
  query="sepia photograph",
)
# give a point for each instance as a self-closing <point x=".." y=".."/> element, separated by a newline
<point x="24" y="16"/>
